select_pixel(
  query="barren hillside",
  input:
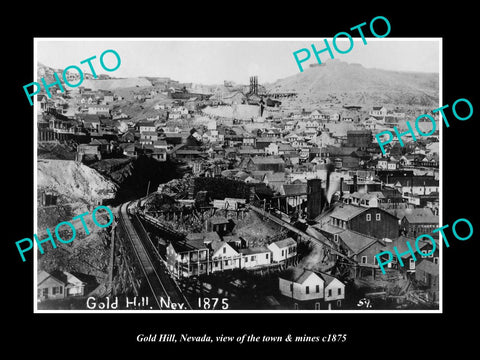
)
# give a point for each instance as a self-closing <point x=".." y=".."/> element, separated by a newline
<point x="339" y="81"/>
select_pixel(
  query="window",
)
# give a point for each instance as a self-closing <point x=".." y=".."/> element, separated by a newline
<point x="224" y="250"/>
<point x="317" y="306"/>
<point x="377" y="217"/>
<point x="45" y="291"/>
<point x="246" y="258"/>
<point x="266" y="256"/>
<point x="364" y="259"/>
<point x="369" y="217"/>
<point x="339" y="292"/>
<point x="335" y="238"/>
<point x="329" y="292"/>
<point x="216" y="263"/>
<point x="283" y="252"/>
<point x="227" y="262"/>
<point x="317" y="288"/>
<point x="291" y="287"/>
<point x="412" y="263"/>
<point x="253" y="258"/>
<point x="307" y="290"/>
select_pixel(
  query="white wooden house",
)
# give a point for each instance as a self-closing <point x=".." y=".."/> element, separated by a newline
<point x="224" y="257"/>
<point x="309" y="289"/>
<point x="58" y="285"/>
<point x="380" y="111"/>
<point x="283" y="250"/>
<point x="255" y="256"/>
<point x="334" y="291"/>
<point x="301" y="284"/>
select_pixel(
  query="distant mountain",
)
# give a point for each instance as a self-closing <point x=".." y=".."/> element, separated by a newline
<point x="341" y="82"/>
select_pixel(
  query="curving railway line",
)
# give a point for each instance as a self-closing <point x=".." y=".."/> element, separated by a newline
<point x="166" y="293"/>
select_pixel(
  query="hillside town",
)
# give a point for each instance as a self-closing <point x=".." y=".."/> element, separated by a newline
<point x="281" y="203"/>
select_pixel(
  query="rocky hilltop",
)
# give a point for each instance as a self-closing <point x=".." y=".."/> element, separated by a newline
<point x="338" y="81"/>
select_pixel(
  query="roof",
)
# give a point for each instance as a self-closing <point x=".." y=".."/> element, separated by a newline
<point x="66" y="278"/>
<point x="218" y="220"/>
<point x="149" y="133"/>
<point x="231" y="238"/>
<point x="340" y="151"/>
<point x="415" y="181"/>
<point x="90" y="118"/>
<point x="328" y="278"/>
<point x="298" y="275"/>
<point x="280" y="176"/>
<point x="211" y="236"/>
<point x="217" y="244"/>
<point x="78" y="278"/>
<point x="285" y="242"/>
<point x="57" y="275"/>
<point x="146" y="123"/>
<point x="428" y="266"/>
<point x="254" y="250"/>
<point x="250" y="150"/>
<point x="359" y="132"/>
<point x="369" y="195"/>
<point x="188" y="152"/>
<point x="356" y="241"/>
<point x="401" y="244"/>
<point x="347" y="211"/>
<point x="266" y="139"/>
<point x="267" y="160"/>
<point x="193" y="241"/>
<point x="330" y="229"/>
<point x="242" y="175"/>
<point x="99" y="142"/>
<point x="285" y="147"/>
<point x="260" y="174"/>
<point x="421" y="216"/>
<point x="294" y="189"/>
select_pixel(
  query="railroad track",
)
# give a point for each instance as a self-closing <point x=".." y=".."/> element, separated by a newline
<point x="162" y="286"/>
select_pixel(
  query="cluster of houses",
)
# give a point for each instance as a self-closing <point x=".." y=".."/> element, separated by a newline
<point x="360" y="229"/>
<point x="380" y="202"/>
<point x="220" y="250"/>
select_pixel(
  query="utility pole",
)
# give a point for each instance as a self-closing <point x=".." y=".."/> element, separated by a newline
<point x="148" y="187"/>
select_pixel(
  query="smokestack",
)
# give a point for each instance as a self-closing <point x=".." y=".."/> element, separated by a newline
<point x="353" y="188"/>
<point x="341" y="187"/>
<point x="314" y="198"/>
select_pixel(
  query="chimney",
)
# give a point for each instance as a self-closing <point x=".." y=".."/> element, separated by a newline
<point x="341" y="187"/>
<point x="314" y="198"/>
<point x="354" y="187"/>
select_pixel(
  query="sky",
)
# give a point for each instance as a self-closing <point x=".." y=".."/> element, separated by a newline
<point x="213" y="60"/>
